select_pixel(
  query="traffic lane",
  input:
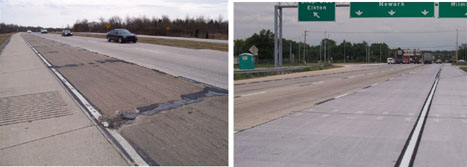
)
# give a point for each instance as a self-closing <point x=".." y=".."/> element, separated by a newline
<point x="334" y="134"/>
<point x="312" y="78"/>
<point x="176" y="38"/>
<point x="263" y="106"/>
<point x="207" y="66"/>
<point x="443" y="141"/>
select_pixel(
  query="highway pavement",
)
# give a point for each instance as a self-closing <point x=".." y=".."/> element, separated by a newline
<point x="367" y="127"/>
<point x="166" y="120"/>
<point x="176" y="38"/>
<point x="264" y="99"/>
<point x="203" y="65"/>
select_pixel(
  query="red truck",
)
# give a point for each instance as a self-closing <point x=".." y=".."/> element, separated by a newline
<point x="405" y="59"/>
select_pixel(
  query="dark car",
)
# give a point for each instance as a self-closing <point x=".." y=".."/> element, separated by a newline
<point x="67" y="33"/>
<point x="121" y="36"/>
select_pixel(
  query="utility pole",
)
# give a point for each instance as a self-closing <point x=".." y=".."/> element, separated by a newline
<point x="320" y="46"/>
<point x="299" y="53"/>
<point x="457" y="44"/>
<point x="304" y="47"/>
<point x="325" y="39"/>
<point x="290" y="54"/>
<point x="380" y="53"/>
<point x="344" y="52"/>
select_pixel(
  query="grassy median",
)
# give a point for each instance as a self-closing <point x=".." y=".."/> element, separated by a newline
<point x="170" y="42"/>
<point x="264" y="74"/>
<point x="3" y="37"/>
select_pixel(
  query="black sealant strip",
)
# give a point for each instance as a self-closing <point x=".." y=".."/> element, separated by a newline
<point x="321" y="102"/>
<point x="399" y="160"/>
<point x="185" y="100"/>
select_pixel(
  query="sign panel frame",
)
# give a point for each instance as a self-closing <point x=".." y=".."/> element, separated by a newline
<point x="318" y="12"/>
<point x="392" y="9"/>
<point x="447" y="10"/>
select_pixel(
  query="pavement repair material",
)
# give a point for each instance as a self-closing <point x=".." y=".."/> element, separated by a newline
<point x="40" y="124"/>
<point x="203" y="65"/>
<point x="115" y="86"/>
<point x="369" y="127"/>
<point x="264" y="99"/>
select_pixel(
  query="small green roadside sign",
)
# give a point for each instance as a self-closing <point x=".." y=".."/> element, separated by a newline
<point x="391" y="9"/>
<point x="316" y="11"/>
<point x="453" y="10"/>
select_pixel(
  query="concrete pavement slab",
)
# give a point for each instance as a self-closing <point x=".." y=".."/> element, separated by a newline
<point x="359" y="129"/>
<point x="25" y="82"/>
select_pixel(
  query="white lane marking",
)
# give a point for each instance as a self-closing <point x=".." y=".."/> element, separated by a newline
<point x="374" y="84"/>
<point x="125" y="145"/>
<point x="379" y="117"/>
<point x="310" y="109"/>
<point x="436" y="115"/>
<point x="335" y="110"/>
<point x="81" y="98"/>
<point x="324" y="115"/>
<point x="359" y="112"/>
<point x="407" y="157"/>
<point x="408" y="119"/>
<point x="235" y="132"/>
<point x="316" y="83"/>
<point x="128" y="148"/>
<point x="342" y="95"/>
<point x="251" y="94"/>
<point x="385" y="113"/>
<point x="411" y="113"/>
<point x="436" y="120"/>
<point x="298" y="114"/>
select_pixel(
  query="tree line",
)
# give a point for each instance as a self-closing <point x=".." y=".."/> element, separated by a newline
<point x="299" y="52"/>
<point x="196" y="27"/>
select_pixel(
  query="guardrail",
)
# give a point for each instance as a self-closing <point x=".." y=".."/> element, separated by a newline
<point x="280" y="69"/>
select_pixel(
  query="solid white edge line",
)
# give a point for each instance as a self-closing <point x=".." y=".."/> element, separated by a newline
<point x="122" y="141"/>
<point x="251" y="94"/>
<point x="405" y="162"/>
<point x="127" y="147"/>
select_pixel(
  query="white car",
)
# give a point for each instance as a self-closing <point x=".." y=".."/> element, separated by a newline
<point x="29" y="31"/>
<point x="391" y="61"/>
<point x="43" y="31"/>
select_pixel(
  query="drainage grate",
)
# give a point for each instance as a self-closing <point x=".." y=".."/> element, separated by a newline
<point x="31" y="107"/>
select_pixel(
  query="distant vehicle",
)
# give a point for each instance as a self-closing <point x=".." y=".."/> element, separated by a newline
<point x="121" y="36"/>
<point x="391" y="60"/>
<point x="460" y="61"/>
<point x="405" y="59"/>
<point x="439" y="61"/>
<point x="66" y="33"/>
<point x="43" y="31"/>
<point x="29" y="31"/>
<point x="428" y="58"/>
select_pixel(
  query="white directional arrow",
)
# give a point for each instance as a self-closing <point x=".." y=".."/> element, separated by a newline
<point x="424" y="12"/>
<point x="316" y="14"/>
<point x="359" y="12"/>
<point x="392" y="12"/>
<point x="466" y="13"/>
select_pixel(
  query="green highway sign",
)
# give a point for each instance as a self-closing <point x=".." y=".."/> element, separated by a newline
<point x="453" y="10"/>
<point x="316" y="11"/>
<point x="391" y="9"/>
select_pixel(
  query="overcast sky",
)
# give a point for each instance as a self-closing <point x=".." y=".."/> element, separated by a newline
<point x="251" y="17"/>
<point x="59" y="13"/>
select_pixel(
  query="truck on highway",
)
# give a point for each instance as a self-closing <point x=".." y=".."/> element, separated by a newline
<point x="428" y="58"/>
<point x="405" y="59"/>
